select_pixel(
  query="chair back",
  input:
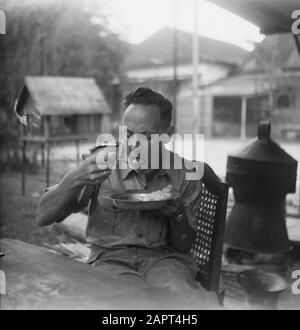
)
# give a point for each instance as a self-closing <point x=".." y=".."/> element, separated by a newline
<point x="206" y="244"/>
<point x="207" y="248"/>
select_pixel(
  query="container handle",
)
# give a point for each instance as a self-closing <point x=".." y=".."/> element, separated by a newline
<point x="264" y="131"/>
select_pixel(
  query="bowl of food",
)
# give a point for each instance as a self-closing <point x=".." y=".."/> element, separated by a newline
<point x="143" y="199"/>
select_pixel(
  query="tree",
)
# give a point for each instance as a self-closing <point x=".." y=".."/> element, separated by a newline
<point x="269" y="58"/>
<point x="54" y="38"/>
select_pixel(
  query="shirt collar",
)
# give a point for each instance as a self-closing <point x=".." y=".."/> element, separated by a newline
<point x="128" y="170"/>
<point x="125" y="172"/>
<point x="164" y="171"/>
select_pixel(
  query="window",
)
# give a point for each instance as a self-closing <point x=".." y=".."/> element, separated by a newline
<point x="284" y="101"/>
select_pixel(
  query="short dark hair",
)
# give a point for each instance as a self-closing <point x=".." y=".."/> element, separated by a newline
<point x="146" y="96"/>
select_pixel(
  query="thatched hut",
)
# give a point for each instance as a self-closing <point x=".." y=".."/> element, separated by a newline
<point x="60" y="109"/>
<point x="62" y="106"/>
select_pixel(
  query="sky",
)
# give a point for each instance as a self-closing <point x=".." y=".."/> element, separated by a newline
<point x="138" y="19"/>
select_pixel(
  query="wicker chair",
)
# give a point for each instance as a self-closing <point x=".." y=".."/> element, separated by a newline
<point x="206" y="244"/>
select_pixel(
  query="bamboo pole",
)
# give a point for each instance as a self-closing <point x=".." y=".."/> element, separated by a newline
<point x="175" y="60"/>
<point x="195" y="68"/>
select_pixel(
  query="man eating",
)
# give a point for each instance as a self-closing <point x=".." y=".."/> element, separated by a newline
<point x="134" y="243"/>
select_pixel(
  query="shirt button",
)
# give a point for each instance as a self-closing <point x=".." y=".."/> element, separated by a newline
<point x="140" y="235"/>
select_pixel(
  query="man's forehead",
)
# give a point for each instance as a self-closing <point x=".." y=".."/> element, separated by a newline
<point x="148" y="115"/>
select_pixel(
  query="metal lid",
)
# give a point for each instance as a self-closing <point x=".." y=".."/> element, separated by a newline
<point x="263" y="148"/>
<point x="262" y="156"/>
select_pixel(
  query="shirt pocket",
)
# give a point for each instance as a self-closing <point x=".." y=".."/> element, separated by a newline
<point x="102" y="220"/>
<point x="156" y="227"/>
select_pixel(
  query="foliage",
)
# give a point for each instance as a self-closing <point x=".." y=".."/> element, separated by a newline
<point x="55" y="38"/>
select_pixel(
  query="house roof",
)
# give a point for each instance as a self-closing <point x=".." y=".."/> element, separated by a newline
<point x="63" y="95"/>
<point x="252" y="84"/>
<point x="275" y="52"/>
<point x="272" y="16"/>
<point x="158" y="48"/>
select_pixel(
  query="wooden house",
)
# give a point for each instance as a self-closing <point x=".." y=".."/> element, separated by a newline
<point x="59" y="110"/>
<point x="62" y="106"/>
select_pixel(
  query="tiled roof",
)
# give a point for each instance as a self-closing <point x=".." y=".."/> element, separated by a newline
<point x="159" y="49"/>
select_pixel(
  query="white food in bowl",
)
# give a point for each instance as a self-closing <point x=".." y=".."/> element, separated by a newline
<point x="157" y="195"/>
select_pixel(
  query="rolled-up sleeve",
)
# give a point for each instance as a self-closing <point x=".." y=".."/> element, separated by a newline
<point x="81" y="202"/>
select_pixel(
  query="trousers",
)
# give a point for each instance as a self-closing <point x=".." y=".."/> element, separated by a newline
<point x="161" y="267"/>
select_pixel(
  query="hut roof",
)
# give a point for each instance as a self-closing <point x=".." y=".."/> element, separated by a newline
<point x="63" y="96"/>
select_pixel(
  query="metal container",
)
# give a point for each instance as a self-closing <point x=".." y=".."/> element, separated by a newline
<point x="262" y="288"/>
<point x="261" y="174"/>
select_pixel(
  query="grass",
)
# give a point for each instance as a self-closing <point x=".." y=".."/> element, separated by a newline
<point x="17" y="212"/>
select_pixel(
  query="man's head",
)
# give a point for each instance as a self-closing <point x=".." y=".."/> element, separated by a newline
<point x="147" y="112"/>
